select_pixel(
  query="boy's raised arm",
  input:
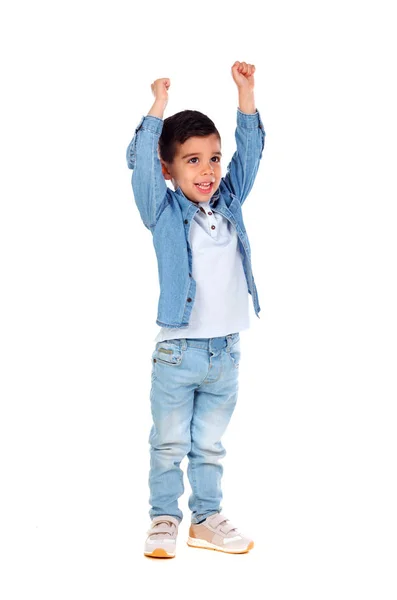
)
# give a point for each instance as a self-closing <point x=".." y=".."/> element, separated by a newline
<point x="250" y="134"/>
<point x="148" y="182"/>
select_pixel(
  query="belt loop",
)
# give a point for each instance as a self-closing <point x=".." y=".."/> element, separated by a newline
<point x="183" y="344"/>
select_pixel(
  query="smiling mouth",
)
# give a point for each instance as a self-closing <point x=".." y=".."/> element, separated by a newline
<point x="204" y="187"/>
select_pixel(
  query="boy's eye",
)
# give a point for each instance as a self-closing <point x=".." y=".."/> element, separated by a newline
<point x="214" y="158"/>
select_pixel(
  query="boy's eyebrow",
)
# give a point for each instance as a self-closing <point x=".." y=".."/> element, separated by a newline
<point x="197" y="153"/>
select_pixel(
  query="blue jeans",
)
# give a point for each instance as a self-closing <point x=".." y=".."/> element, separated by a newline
<point x="193" y="395"/>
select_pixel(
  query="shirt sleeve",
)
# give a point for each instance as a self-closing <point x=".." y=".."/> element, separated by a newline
<point x="250" y="141"/>
<point x="147" y="180"/>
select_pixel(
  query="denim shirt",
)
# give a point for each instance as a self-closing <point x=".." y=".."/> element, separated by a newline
<point x="168" y="214"/>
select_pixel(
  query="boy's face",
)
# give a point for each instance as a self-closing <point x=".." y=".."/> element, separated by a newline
<point x="196" y="168"/>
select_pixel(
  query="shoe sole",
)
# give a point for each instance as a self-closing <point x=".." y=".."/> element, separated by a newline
<point x="198" y="543"/>
<point x="159" y="553"/>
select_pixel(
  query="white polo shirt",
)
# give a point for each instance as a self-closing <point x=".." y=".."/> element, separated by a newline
<point x="221" y="301"/>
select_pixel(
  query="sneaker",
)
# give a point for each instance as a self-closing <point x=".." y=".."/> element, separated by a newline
<point x="218" y="533"/>
<point x="161" y="540"/>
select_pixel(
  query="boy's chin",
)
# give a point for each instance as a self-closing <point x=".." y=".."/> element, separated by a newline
<point x="201" y="197"/>
<point x="198" y="197"/>
<point x="194" y="198"/>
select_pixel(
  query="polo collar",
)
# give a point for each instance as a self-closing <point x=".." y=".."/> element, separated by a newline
<point x="188" y="206"/>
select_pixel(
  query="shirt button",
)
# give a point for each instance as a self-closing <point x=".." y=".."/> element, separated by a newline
<point x="189" y="299"/>
<point x="186" y="221"/>
<point x="210" y="213"/>
<point x="212" y="226"/>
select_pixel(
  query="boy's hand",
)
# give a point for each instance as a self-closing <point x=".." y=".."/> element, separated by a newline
<point x="160" y="92"/>
<point x="160" y="88"/>
<point x="243" y="75"/>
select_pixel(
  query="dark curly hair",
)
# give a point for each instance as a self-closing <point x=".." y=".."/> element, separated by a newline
<point x="180" y="127"/>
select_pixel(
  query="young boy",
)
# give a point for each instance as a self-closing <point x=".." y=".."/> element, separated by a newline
<point x="205" y="273"/>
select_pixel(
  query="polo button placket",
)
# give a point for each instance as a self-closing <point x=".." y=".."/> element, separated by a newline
<point x="211" y="222"/>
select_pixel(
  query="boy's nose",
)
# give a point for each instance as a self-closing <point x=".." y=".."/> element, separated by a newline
<point x="209" y="169"/>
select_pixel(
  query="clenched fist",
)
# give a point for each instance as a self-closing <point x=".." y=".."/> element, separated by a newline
<point x="160" y="88"/>
<point x="243" y="75"/>
<point x="160" y="92"/>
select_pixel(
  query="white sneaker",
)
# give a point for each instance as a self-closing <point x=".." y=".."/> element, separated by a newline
<point x="161" y="540"/>
<point x="218" y="533"/>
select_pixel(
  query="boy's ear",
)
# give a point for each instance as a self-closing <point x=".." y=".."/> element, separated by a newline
<point x="165" y="171"/>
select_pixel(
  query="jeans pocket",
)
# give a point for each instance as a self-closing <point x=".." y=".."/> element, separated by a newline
<point x="167" y="353"/>
<point x="235" y="354"/>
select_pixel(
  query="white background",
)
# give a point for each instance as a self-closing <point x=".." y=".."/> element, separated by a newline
<point x="310" y="470"/>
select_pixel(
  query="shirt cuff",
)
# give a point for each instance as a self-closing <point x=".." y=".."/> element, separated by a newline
<point x="249" y="121"/>
<point x="151" y="123"/>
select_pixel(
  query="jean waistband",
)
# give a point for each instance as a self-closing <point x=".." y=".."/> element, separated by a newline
<point x="215" y="343"/>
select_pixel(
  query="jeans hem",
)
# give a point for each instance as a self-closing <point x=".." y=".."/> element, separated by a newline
<point x="200" y="519"/>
